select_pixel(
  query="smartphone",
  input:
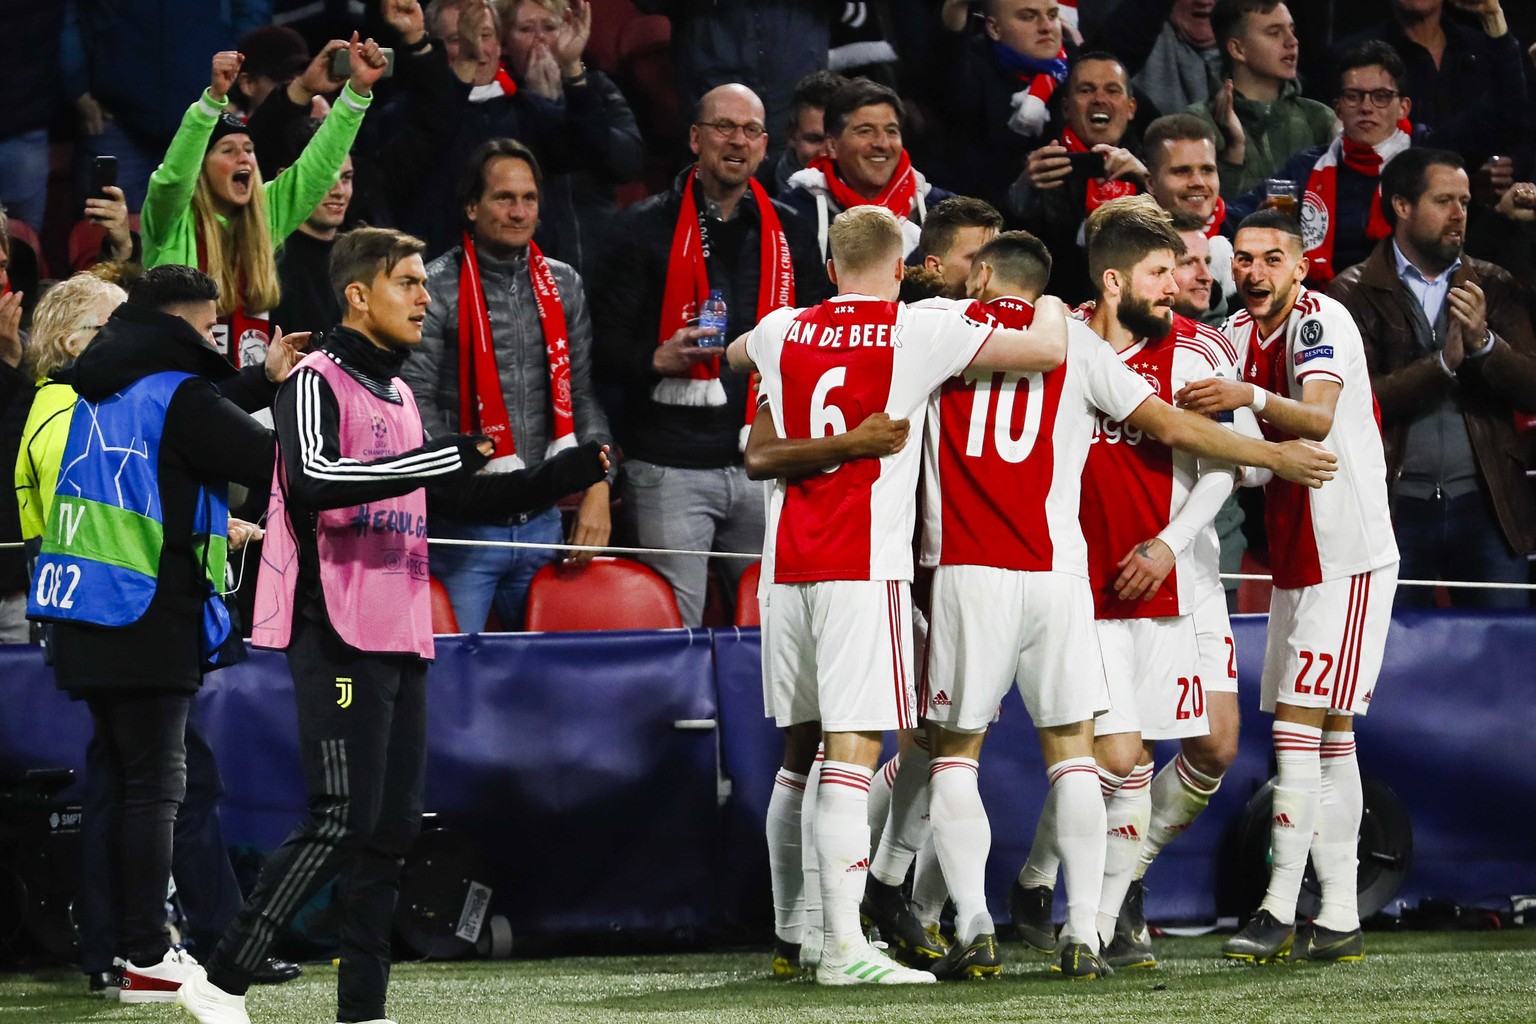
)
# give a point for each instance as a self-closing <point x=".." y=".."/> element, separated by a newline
<point x="1086" y="165"/>
<point x="341" y="62"/>
<point x="103" y="174"/>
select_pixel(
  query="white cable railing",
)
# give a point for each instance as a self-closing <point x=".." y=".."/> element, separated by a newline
<point x="610" y="549"/>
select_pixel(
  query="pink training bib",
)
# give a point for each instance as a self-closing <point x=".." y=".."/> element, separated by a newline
<point x="373" y="557"/>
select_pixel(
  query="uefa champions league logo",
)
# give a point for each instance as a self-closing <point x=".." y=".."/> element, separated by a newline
<point x="381" y="446"/>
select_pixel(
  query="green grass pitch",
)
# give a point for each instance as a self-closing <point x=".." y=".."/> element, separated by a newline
<point x="1475" y="978"/>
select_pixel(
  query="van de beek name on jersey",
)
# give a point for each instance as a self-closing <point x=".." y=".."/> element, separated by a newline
<point x="845" y="335"/>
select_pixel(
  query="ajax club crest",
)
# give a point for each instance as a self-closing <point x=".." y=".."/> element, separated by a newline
<point x="1314" y="221"/>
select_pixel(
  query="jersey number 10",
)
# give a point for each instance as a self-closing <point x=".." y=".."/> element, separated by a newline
<point x="1009" y="448"/>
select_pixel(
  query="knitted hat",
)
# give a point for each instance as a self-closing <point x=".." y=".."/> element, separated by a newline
<point x="227" y="124"/>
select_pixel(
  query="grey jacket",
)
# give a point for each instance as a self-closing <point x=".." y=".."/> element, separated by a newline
<point x="432" y="370"/>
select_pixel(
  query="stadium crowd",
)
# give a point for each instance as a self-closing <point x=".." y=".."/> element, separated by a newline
<point x="452" y="255"/>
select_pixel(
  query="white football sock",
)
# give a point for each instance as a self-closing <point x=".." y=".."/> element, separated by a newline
<point x="1179" y="793"/>
<point x="930" y="891"/>
<point x="810" y="865"/>
<point x="880" y="799"/>
<point x="842" y="847"/>
<point x="1125" y="823"/>
<point x="1335" y="848"/>
<point x="963" y="837"/>
<point x="1040" y="868"/>
<point x="1077" y="811"/>
<point x="908" y="827"/>
<point x="785" y="866"/>
<point x="1297" y="787"/>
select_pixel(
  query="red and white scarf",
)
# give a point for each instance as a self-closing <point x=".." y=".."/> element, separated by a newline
<point x="1032" y="104"/>
<point x="1217" y="218"/>
<point x="1319" y="207"/>
<point x="501" y="85"/>
<point x="482" y="406"/>
<point x="240" y="337"/>
<point x="1100" y="190"/>
<point x="898" y="195"/>
<point x="687" y="288"/>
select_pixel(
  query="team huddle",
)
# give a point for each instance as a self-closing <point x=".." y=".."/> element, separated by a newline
<point x="1071" y="466"/>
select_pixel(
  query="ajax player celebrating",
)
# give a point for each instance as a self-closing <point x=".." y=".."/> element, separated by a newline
<point x="1335" y="565"/>
<point x="839" y="601"/>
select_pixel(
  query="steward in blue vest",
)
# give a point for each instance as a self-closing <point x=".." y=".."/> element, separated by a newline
<point x="134" y="545"/>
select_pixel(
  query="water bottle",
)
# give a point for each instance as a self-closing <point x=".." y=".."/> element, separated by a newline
<point x="712" y="314"/>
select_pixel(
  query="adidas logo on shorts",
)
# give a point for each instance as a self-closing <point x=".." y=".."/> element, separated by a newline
<point x="862" y="865"/>
<point x="1125" y="832"/>
<point x="1284" y="821"/>
<point x="940" y="700"/>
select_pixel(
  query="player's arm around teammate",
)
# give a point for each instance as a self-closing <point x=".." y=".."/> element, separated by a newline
<point x="1300" y="462"/>
<point x="1039" y="348"/>
<point x="771" y="457"/>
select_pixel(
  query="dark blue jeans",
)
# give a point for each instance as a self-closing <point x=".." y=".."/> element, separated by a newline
<point x="1456" y="539"/>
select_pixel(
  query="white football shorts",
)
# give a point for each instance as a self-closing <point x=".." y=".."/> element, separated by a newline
<point x="1326" y="642"/>
<point x="991" y="628"/>
<point x="1153" y="685"/>
<point x="839" y="652"/>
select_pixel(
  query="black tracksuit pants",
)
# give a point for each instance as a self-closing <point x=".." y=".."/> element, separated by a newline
<point x="362" y="737"/>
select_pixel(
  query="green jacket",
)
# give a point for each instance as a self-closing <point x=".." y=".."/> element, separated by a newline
<point x="1276" y="132"/>
<point x="167" y="223"/>
<point x="42" y="451"/>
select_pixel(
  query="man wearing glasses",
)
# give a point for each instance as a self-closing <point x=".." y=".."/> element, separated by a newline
<point x="1338" y="186"/>
<point x="867" y="165"/>
<point x="679" y="413"/>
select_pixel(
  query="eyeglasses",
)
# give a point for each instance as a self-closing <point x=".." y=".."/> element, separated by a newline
<point x="725" y="130"/>
<point x="1379" y="97"/>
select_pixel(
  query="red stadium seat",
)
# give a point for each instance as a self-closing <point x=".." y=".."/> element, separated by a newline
<point x="84" y="244"/>
<point x="606" y="593"/>
<point x="21" y="231"/>
<point x="646" y="34"/>
<point x="645" y="70"/>
<point x="443" y="619"/>
<point x="747" y="611"/>
<point x="609" y="17"/>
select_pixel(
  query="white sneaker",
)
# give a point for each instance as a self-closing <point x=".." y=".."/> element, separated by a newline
<point x="157" y="983"/>
<point x="866" y="965"/>
<point x="209" y="1004"/>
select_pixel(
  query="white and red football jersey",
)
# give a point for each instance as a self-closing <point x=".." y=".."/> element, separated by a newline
<point x="1003" y="453"/>
<point x="1133" y="485"/>
<point x="825" y="369"/>
<point x="1345" y="526"/>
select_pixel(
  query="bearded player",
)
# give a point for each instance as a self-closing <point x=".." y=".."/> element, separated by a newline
<point x="1012" y="601"/>
<point x="1146" y="514"/>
